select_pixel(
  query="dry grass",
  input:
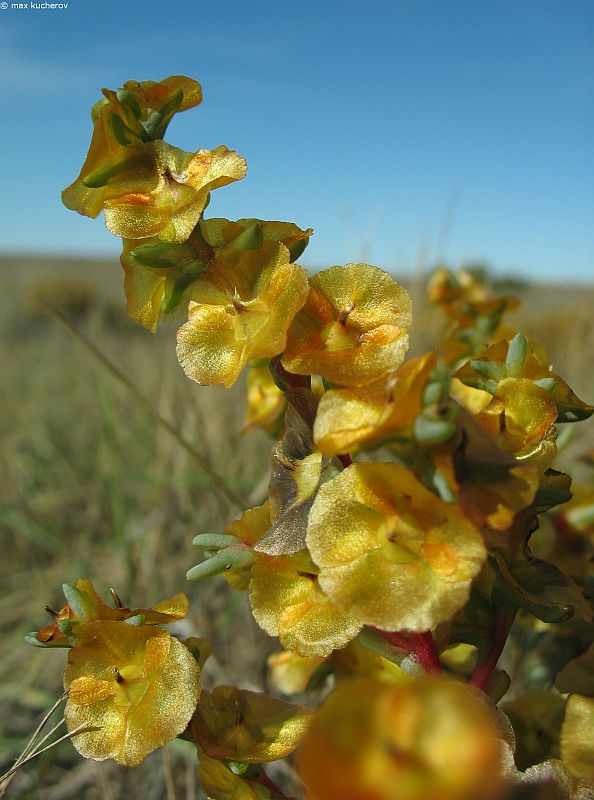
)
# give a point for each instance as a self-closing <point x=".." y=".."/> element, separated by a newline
<point x="91" y="487"/>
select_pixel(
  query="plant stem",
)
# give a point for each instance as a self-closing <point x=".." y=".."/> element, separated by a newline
<point x="483" y="671"/>
<point x="202" y="462"/>
<point x="300" y="382"/>
<point x="425" y="650"/>
<point x="421" y="644"/>
<point x="397" y="639"/>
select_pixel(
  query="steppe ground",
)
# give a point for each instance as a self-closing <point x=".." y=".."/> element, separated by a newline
<point x="91" y="487"/>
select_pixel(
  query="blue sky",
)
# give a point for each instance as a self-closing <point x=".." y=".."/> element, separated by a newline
<point x="402" y="131"/>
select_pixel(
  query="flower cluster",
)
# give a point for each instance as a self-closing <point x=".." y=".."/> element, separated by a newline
<point x="132" y="687"/>
<point x="397" y="550"/>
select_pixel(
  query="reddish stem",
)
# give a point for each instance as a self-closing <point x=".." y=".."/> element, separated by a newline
<point x="345" y="459"/>
<point x="396" y="639"/>
<point x="483" y="671"/>
<point x="426" y="652"/>
<point x="421" y="644"/>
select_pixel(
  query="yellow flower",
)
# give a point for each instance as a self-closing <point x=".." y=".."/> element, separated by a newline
<point x="133" y="115"/>
<point x="240" y="310"/>
<point x="249" y="727"/>
<point x="159" y="275"/>
<point x="250" y="233"/>
<point x="137" y="687"/>
<point x="389" y="551"/>
<point x="355" y="417"/>
<point x="155" y="189"/>
<point x="266" y="404"/>
<point x="353" y="327"/>
<point x="145" y="186"/>
<point x="163" y="612"/>
<point x="490" y="486"/>
<point x="517" y="400"/>
<point x="284" y="593"/>
<point x="446" y="287"/>
<point x="287" y="602"/>
<point x="422" y="740"/>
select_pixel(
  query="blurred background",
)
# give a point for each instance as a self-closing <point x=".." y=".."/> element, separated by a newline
<point x="408" y="133"/>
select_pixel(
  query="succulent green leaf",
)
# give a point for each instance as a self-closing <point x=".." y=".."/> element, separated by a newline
<point x="160" y="255"/>
<point x="430" y="431"/>
<point x="79" y="602"/>
<point x="65" y="626"/>
<point x="516" y="356"/>
<point x="231" y="557"/>
<point x="158" y="120"/>
<point x="319" y="675"/>
<point x="120" y="130"/>
<point x="32" y="640"/>
<point x="376" y="643"/>
<point x="237" y="767"/>
<point x="175" y="293"/>
<point x="432" y="393"/>
<point x="214" y="541"/>
<point x="250" y="239"/>
<point x="548" y="384"/>
<point x="137" y="620"/>
<point x="128" y="99"/>
<point x="488" y="369"/>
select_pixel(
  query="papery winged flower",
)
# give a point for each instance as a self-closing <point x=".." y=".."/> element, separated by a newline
<point x="353" y="327"/>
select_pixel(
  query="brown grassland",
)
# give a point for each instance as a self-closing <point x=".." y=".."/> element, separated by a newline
<point x="91" y="486"/>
